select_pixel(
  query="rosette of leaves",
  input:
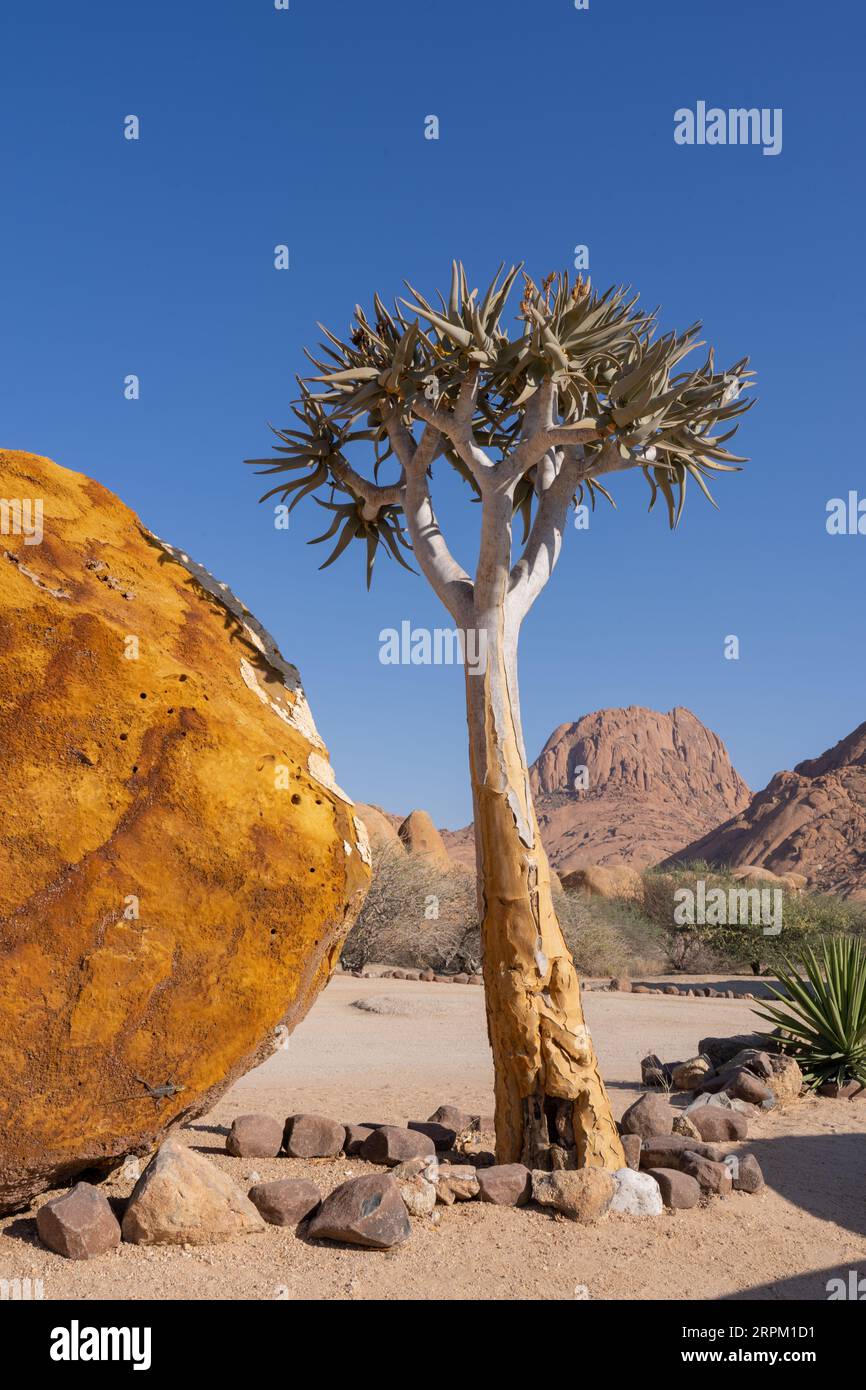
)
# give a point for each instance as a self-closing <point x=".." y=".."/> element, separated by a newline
<point x="613" y="374"/>
<point x="822" y="1011"/>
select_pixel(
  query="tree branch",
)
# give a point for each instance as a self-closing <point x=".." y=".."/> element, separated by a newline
<point x="448" y="580"/>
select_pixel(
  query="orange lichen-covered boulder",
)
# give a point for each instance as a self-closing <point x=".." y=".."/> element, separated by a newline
<point x="178" y="867"/>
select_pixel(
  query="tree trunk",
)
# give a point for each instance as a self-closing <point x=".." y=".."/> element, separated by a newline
<point x="552" y="1110"/>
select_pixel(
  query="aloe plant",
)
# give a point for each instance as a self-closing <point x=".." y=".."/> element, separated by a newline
<point x="824" y="1018"/>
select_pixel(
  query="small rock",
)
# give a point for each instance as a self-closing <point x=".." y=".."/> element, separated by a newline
<point x="684" y="1126"/>
<point x="667" y="1151"/>
<point x="716" y="1125"/>
<point x="427" y="976"/>
<point x="366" y="1211"/>
<point x="355" y="1136"/>
<point x="79" y="1225"/>
<point x="713" y="1177"/>
<point x="476" y="979"/>
<point x="254" y="1136"/>
<point x="451" y="1118"/>
<point x="460" y="979"/>
<point x="744" y="1085"/>
<point x="754" y="1059"/>
<point x="649" y="1115"/>
<point x="181" y="1199"/>
<point x="456" y="1182"/>
<point x="584" y="1194"/>
<point x="687" y="1075"/>
<point x="419" y="1195"/>
<point x="653" y="1071"/>
<point x="285" y="1202"/>
<point x="670" y="989"/>
<point x="631" y="1148"/>
<point x="313" y="1136"/>
<point x="391" y="1145"/>
<point x="746" y="1173"/>
<point x="640" y="989"/>
<point x="426" y="1165"/>
<point x="637" y="1194"/>
<point x="621" y="983"/>
<point x="787" y="1079"/>
<point x="721" y="1050"/>
<point x="679" y="1190"/>
<point x="505" y="1184"/>
<point x="442" y="1135"/>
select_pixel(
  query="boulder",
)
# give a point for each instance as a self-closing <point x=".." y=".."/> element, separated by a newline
<point x="419" y="836"/>
<point x="392" y="1145"/>
<point x="313" y="1136"/>
<point x="609" y="881"/>
<point x="285" y="1202"/>
<point x="182" y="1199"/>
<point x="168" y="927"/>
<point x="637" y="1194"/>
<point x="716" y="1125"/>
<point x="254" y="1136"/>
<point x="79" y="1225"/>
<point x="679" y="1191"/>
<point x="363" y="1211"/>
<point x="583" y="1194"/>
<point x="453" y="1118"/>
<point x="381" y="828"/>
<point x="505" y="1184"/>
<point x="649" y="1115"/>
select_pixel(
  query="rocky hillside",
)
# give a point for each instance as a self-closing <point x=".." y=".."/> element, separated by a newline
<point x="621" y="785"/>
<point x="811" y="820"/>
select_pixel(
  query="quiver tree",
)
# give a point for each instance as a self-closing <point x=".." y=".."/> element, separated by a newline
<point x="532" y="423"/>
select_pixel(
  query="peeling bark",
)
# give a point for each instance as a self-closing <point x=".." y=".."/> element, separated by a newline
<point x="552" y="1110"/>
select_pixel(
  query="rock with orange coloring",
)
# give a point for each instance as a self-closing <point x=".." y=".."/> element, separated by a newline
<point x="178" y="867"/>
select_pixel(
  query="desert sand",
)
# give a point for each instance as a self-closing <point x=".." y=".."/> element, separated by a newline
<point x="430" y="1048"/>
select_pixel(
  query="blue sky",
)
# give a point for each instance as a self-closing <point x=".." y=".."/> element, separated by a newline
<point x="306" y="127"/>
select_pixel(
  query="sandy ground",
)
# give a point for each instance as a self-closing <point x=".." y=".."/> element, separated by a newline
<point x="808" y="1226"/>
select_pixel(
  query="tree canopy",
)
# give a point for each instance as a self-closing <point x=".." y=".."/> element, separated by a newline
<point x="585" y="386"/>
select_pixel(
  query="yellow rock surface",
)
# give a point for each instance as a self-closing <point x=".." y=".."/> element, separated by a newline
<point x="178" y="867"/>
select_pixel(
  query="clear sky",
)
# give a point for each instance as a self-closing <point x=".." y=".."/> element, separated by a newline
<point x="306" y="127"/>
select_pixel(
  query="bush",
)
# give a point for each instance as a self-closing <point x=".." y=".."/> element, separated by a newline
<point x="740" y="945"/>
<point x="608" y="937"/>
<point x="416" y="916"/>
<point x="822" y="1011"/>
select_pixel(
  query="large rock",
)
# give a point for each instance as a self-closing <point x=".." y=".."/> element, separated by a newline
<point x="420" y="836"/>
<point x="79" y="1225"/>
<point x="390" y="1144"/>
<point x="583" y="1194"/>
<point x="254" y="1136"/>
<point x="285" y="1202"/>
<point x="614" y="881"/>
<point x="381" y="828"/>
<point x="182" y="1199"/>
<point x="637" y="1194"/>
<point x="809" y="824"/>
<point x="313" y="1136"/>
<point x="649" y="1115"/>
<point x="177" y="865"/>
<point x="363" y="1211"/>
